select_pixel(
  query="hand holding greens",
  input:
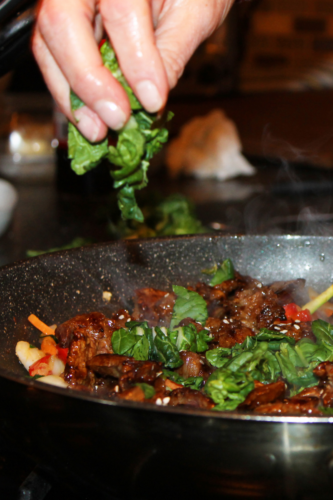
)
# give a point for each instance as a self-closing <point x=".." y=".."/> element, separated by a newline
<point x="141" y="138"/>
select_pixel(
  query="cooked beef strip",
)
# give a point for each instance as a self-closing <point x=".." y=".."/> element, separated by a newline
<point x="154" y="306"/>
<point x="292" y="406"/>
<point x="324" y="371"/>
<point x="127" y="369"/>
<point x="194" y="365"/>
<point x="190" y="397"/>
<point x="264" y="394"/>
<point x="86" y="336"/>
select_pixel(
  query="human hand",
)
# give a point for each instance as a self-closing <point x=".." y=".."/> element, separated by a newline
<point x="153" y="40"/>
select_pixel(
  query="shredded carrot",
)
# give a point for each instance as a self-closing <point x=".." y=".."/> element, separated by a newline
<point x="172" y="385"/>
<point x="40" y="325"/>
<point x="49" y="346"/>
<point x="328" y="311"/>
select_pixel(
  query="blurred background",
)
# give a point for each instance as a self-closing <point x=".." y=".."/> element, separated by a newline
<point x="269" y="68"/>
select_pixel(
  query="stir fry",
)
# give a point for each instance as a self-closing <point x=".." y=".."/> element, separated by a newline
<point x="232" y="344"/>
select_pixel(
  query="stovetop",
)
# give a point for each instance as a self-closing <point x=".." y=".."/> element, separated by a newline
<point x="22" y="478"/>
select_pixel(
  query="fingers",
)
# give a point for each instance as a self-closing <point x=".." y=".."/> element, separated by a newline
<point x="129" y="25"/>
<point x="72" y="56"/>
<point x="88" y="122"/>
<point x="180" y="30"/>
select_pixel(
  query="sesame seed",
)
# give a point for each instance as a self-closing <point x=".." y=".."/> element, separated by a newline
<point x="159" y="374"/>
<point x="231" y="320"/>
<point x="284" y="331"/>
<point x="166" y="295"/>
<point x="121" y="317"/>
<point x="259" y="285"/>
<point x="116" y="389"/>
<point x="297" y="320"/>
<point x="206" y="328"/>
<point x="158" y="401"/>
<point x="226" y="321"/>
<point x="198" y="322"/>
<point x="277" y="328"/>
<point x="166" y="400"/>
<point x="297" y="327"/>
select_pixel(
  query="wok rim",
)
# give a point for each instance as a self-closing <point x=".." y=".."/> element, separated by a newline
<point x="219" y="415"/>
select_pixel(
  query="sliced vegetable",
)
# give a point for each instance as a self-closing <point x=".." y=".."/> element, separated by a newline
<point x="319" y="301"/>
<point x="294" y="312"/>
<point x="188" y="304"/>
<point x="224" y="272"/>
<point x="40" y="325"/>
<point x="49" y="345"/>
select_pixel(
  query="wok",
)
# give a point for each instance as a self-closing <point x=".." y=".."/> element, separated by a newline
<point x="136" y="451"/>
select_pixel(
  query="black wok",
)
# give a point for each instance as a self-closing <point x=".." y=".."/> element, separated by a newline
<point x="139" y="451"/>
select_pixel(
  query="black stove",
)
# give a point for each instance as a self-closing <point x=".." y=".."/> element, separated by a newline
<point x="22" y="478"/>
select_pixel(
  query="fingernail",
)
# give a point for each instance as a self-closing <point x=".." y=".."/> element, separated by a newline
<point x="86" y="124"/>
<point x="149" y="96"/>
<point x="111" y="114"/>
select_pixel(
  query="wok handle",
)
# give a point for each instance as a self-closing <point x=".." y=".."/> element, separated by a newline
<point x="15" y="35"/>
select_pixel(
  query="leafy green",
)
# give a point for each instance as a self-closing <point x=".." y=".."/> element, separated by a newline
<point x="191" y="382"/>
<point x="122" y="341"/>
<point x="166" y="351"/>
<point x="143" y="343"/>
<point x="224" y="272"/>
<point x="77" y="242"/>
<point x="148" y="390"/>
<point x="228" y="388"/>
<point x="188" y="304"/>
<point x="218" y="357"/>
<point x="186" y="338"/>
<point x="138" y="141"/>
<point x="173" y="215"/>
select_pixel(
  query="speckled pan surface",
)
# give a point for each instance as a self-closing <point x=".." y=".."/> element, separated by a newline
<point x="57" y="286"/>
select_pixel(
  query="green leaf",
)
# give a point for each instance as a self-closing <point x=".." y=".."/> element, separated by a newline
<point x="228" y="388"/>
<point x="148" y="390"/>
<point x="76" y="102"/>
<point x="127" y="204"/>
<point x="218" y="357"/>
<point x="325" y="411"/>
<point x="202" y="341"/>
<point x="191" y="382"/>
<point x="127" y="154"/>
<point x="225" y="272"/>
<point x="84" y="155"/>
<point x="166" y="352"/>
<point x="122" y="341"/>
<point x="140" y="350"/>
<point x="323" y="331"/>
<point x="188" y="304"/>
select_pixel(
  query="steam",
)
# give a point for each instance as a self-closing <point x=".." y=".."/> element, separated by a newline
<point x="293" y="203"/>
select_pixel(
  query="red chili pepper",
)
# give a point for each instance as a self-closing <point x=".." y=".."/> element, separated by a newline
<point x="101" y="43"/>
<point x="62" y="354"/>
<point x="41" y="367"/>
<point x="294" y="312"/>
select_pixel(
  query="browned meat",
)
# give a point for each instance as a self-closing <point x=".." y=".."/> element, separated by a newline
<point x="293" y="406"/>
<point x="111" y="365"/>
<point x="94" y="325"/>
<point x="132" y="394"/>
<point x="153" y="306"/>
<point x="192" y="364"/>
<point x="126" y="369"/>
<point x="264" y="394"/>
<point x="311" y="392"/>
<point x="256" y="307"/>
<point x="324" y="371"/>
<point x="190" y="321"/>
<point x="190" y="397"/>
<point x="287" y="291"/>
<point x="228" y="332"/>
